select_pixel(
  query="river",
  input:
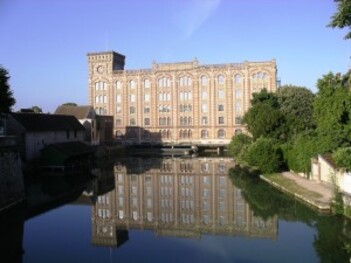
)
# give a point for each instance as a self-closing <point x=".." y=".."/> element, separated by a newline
<point x="167" y="210"/>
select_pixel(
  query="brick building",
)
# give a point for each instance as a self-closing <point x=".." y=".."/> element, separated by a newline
<point x="176" y="103"/>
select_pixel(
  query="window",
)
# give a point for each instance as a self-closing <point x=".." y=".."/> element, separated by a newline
<point x="185" y="81"/>
<point x="105" y="99"/>
<point x="118" y="99"/>
<point x="147" y="97"/>
<point x="132" y="98"/>
<point x="204" y="134"/>
<point x="238" y="93"/>
<point x="118" y="85"/>
<point x="118" y="109"/>
<point x="221" y="79"/>
<point x="238" y="120"/>
<point x="146" y="83"/>
<point x="204" y="107"/>
<point x="221" y="94"/>
<point x="164" y="82"/>
<point x="204" y="120"/>
<point x="220" y="120"/>
<point x="238" y="106"/>
<point x="131" y="109"/>
<point x="132" y="84"/>
<point x="203" y="80"/>
<point x="237" y="79"/>
<point x="146" y="109"/>
<point x="100" y="85"/>
<point x="118" y="122"/>
<point x="221" y="134"/>
<point x="132" y="122"/>
<point x="147" y="121"/>
<point x="220" y="107"/>
<point x="204" y="95"/>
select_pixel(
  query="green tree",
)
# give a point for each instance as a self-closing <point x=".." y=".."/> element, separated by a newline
<point x="296" y="104"/>
<point x="332" y="108"/>
<point x="342" y="158"/>
<point x="6" y="95"/>
<point x="263" y="119"/>
<point x="70" y="104"/>
<point x="265" y="154"/>
<point x="342" y="17"/>
<point x="238" y="144"/>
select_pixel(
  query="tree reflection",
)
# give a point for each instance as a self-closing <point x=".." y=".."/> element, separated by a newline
<point x="333" y="234"/>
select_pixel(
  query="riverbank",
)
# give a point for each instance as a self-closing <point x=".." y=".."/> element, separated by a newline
<point x="315" y="194"/>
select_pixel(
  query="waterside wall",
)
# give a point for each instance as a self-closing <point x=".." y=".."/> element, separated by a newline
<point x="12" y="188"/>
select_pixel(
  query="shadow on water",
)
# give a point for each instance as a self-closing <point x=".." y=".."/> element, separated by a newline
<point x="332" y="241"/>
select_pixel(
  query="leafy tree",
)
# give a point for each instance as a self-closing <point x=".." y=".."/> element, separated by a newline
<point x="296" y="104"/>
<point x="6" y="95"/>
<point x="342" y="17"/>
<point x="36" y="109"/>
<point x="265" y="97"/>
<point x="265" y="154"/>
<point x="70" y="104"/>
<point x="332" y="107"/>
<point x="342" y="158"/>
<point x="264" y="120"/>
<point x="238" y="144"/>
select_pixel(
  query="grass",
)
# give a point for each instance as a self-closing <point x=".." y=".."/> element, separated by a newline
<point x="292" y="187"/>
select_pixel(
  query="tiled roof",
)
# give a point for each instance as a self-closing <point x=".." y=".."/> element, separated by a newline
<point x="47" y="122"/>
<point x="80" y="112"/>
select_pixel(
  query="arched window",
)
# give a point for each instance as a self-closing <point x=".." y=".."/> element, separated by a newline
<point x="146" y="83"/>
<point x="221" y="79"/>
<point x="203" y="80"/>
<point x="118" y="84"/>
<point x="132" y="84"/>
<point x="237" y="79"/>
<point x="221" y="134"/>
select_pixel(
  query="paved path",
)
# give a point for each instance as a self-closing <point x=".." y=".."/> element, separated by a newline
<point x="325" y="190"/>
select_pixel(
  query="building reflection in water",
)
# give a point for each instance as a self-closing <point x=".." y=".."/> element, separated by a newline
<point x="175" y="197"/>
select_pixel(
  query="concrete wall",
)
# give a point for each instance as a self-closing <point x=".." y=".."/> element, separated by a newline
<point x="11" y="180"/>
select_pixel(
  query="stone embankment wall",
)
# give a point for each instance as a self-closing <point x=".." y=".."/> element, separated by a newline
<point x="11" y="178"/>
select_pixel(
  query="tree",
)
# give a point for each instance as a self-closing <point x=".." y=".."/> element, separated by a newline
<point x="238" y="144"/>
<point x="36" y="109"/>
<point x="342" y="17"/>
<point x="6" y="95"/>
<point x="265" y="154"/>
<point x="342" y="158"/>
<point x="70" y="104"/>
<point x="264" y="120"/>
<point x="296" y="104"/>
<point x="332" y="108"/>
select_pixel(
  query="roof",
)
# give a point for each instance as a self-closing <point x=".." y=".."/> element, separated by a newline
<point x="47" y="122"/>
<point x="80" y="112"/>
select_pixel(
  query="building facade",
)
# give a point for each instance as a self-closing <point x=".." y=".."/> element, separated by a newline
<point x="176" y="103"/>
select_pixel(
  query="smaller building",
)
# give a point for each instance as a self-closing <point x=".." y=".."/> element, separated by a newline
<point x="323" y="169"/>
<point x="99" y="129"/>
<point x="35" y="131"/>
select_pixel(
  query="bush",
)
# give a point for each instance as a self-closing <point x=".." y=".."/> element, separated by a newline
<point x="342" y="158"/>
<point x="265" y="154"/>
<point x="238" y="143"/>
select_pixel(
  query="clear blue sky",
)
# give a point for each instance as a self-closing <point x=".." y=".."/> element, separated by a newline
<point x="44" y="42"/>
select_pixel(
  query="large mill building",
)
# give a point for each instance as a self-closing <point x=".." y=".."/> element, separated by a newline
<point x="176" y="103"/>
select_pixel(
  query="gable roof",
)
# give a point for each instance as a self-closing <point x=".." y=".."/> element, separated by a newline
<point x="80" y="112"/>
<point x="47" y="122"/>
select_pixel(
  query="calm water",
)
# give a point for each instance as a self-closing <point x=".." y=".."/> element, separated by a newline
<point x="168" y="210"/>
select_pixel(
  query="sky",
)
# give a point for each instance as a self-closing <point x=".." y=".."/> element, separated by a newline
<point x="44" y="44"/>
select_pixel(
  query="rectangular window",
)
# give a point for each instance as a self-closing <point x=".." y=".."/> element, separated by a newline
<point x="147" y="121"/>
<point x="220" y="107"/>
<point x="132" y="98"/>
<point x="204" y="108"/>
<point x="118" y="99"/>
<point x="204" y="95"/>
<point x="238" y="120"/>
<point x="221" y="94"/>
<point x="147" y="97"/>
<point x="118" y="122"/>
<point x="204" y="120"/>
<point x="146" y="109"/>
<point x="118" y="109"/>
<point x="220" y="120"/>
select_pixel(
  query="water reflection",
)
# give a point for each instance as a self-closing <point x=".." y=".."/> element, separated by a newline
<point x="174" y="197"/>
